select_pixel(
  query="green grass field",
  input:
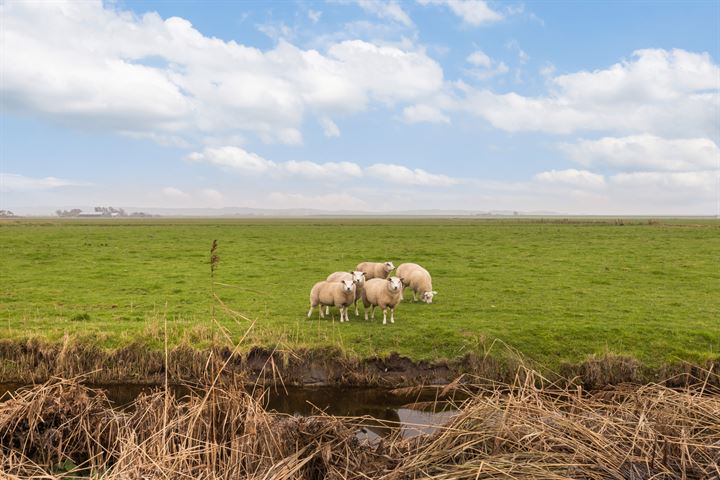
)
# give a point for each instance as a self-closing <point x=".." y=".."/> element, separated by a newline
<point x="555" y="291"/>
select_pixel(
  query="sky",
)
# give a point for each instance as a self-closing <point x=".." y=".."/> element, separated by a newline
<point x="597" y="107"/>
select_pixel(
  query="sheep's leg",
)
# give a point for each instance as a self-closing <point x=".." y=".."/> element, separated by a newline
<point x="322" y="315"/>
<point x="392" y="314"/>
<point x="310" y="311"/>
<point x="327" y="310"/>
<point x="342" y="313"/>
<point x="372" y="312"/>
<point x="414" y="296"/>
<point x="357" y="312"/>
<point x="347" y="317"/>
<point x="384" y="316"/>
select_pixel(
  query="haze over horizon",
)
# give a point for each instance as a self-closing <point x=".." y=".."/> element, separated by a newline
<point x="367" y="105"/>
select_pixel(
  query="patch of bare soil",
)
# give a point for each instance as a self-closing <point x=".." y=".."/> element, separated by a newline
<point x="35" y="362"/>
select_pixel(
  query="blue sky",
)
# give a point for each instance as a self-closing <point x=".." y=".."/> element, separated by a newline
<point x="572" y="107"/>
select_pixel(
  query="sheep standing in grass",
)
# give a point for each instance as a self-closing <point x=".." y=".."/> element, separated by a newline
<point x="338" y="294"/>
<point x="375" y="269"/>
<point x="383" y="293"/>
<point x="357" y="277"/>
<point x="416" y="277"/>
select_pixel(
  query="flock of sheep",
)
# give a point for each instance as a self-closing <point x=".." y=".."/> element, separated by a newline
<point x="370" y="282"/>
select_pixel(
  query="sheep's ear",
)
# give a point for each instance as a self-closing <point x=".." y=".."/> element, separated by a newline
<point x="434" y="292"/>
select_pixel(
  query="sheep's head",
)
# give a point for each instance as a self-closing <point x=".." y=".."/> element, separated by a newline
<point x="394" y="284"/>
<point x="358" y="277"/>
<point x="389" y="267"/>
<point x="427" y="297"/>
<point x="348" y="286"/>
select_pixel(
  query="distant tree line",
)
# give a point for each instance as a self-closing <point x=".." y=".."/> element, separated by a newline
<point x="101" y="212"/>
<point x="68" y="213"/>
<point x="111" y="212"/>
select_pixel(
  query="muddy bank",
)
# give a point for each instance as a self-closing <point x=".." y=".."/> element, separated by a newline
<point x="35" y="362"/>
<point x="63" y="429"/>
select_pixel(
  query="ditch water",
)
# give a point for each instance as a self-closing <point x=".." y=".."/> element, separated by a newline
<point x="383" y="411"/>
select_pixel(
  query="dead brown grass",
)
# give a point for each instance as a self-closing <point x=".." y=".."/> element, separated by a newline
<point x="530" y="428"/>
<point x="533" y="429"/>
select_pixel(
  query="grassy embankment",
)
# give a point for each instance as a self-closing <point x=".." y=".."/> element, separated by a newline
<point x="557" y="292"/>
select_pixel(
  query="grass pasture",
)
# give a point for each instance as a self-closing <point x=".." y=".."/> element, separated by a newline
<point x="555" y="291"/>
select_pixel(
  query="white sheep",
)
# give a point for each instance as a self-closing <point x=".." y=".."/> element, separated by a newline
<point x="416" y="277"/>
<point x="338" y="294"/>
<point x="375" y="269"/>
<point x="383" y="293"/>
<point x="357" y="277"/>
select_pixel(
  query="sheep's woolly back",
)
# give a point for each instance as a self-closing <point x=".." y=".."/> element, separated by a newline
<point x="373" y="270"/>
<point x="404" y="270"/>
<point x="331" y="293"/>
<point x="376" y="292"/>
<point x="420" y="281"/>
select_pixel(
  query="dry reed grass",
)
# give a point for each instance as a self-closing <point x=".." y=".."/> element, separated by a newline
<point x="534" y="429"/>
<point x="218" y="433"/>
<point x="527" y="429"/>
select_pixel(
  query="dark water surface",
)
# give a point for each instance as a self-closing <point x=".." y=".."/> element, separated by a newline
<point x="385" y="411"/>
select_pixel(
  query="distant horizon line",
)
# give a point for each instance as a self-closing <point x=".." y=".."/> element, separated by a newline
<point x="315" y="213"/>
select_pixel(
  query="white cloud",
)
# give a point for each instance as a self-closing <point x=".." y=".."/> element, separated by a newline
<point x="276" y="30"/>
<point x="173" y="192"/>
<point x="548" y="70"/>
<point x="646" y="152"/>
<point x="472" y="12"/>
<point x="13" y="182"/>
<point x="404" y="175"/>
<point x="288" y="136"/>
<point x="424" y="113"/>
<point x="386" y="73"/>
<point x="240" y="160"/>
<point x="93" y="66"/>
<point x="667" y="93"/>
<point x="523" y="57"/>
<point x="390" y="10"/>
<point x="234" y="158"/>
<point x="314" y="15"/>
<point x="572" y="177"/>
<point x="330" y="128"/>
<point x="483" y="66"/>
<point x="485" y="73"/>
<point x="479" y="59"/>
<point x="212" y="196"/>
<point x="322" y="170"/>
<point x="693" y="182"/>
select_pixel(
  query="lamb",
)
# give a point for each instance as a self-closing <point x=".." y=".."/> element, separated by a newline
<point x="416" y="277"/>
<point x="375" y="269"/>
<point x="384" y="293"/>
<point x="358" y="279"/>
<point x="339" y="294"/>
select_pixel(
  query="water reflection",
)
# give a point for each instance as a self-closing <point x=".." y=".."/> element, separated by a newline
<point x="382" y="412"/>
